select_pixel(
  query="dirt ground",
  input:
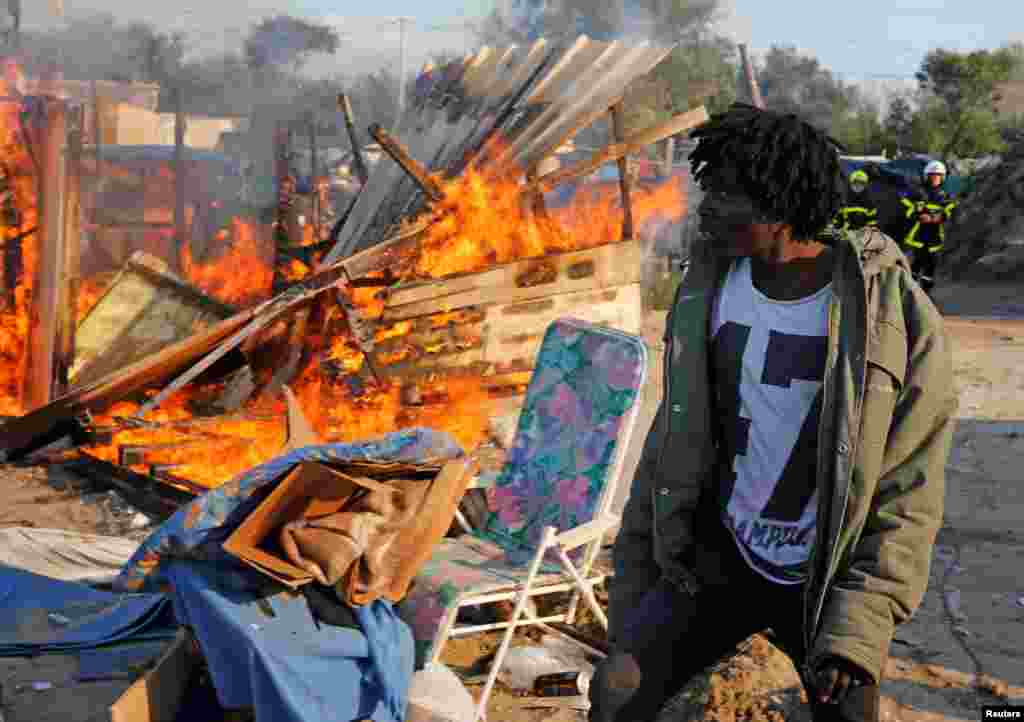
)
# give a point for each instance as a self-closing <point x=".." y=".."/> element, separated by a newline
<point x="964" y="648"/>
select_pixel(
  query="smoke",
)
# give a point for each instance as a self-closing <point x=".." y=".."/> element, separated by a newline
<point x="624" y="20"/>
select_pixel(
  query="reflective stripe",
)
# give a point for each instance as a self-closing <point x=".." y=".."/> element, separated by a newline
<point x="912" y="235"/>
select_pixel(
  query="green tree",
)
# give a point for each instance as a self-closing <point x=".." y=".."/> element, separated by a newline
<point x="286" y="41"/>
<point x="859" y="129"/>
<point x="792" y="82"/>
<point x="962" y="88"/>
<point x="899" y="119"/>
<point x="700" y="70"/>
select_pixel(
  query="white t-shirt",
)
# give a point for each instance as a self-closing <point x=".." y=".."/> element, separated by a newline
<point x="769" y="363"/>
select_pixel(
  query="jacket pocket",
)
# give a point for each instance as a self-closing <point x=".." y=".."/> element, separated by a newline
<point x="883" y="384"/>
<point x="887" y="353"/>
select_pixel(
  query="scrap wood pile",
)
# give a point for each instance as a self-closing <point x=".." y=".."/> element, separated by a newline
<point x="991" y="218"/>
<point x="492" y="117"/>
<point x="480" y="129"/>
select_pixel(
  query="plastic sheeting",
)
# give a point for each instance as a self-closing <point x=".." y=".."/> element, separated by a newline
<point x="265" y="651"/>
<point x="65" y="555"/>
<point x="278" y="661"/>
<point x="39" y="614"/>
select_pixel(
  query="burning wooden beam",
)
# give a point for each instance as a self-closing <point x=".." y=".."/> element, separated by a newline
<point x="180" y="226"/>
<point x="756" y="98"/>
<point x="194" y="355"/>
<point x="358" y="164"/>
<point x="615" y="151"/>
<point x="50" y="288"/>
<point x="68" y="311"/>
<point x="619" y="131"/>
<point x="409" y="164"/>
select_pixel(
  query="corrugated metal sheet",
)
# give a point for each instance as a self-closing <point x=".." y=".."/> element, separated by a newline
<point x="534" y="98"/>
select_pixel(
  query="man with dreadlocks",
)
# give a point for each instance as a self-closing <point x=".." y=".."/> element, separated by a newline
<point x="793" y="478"/>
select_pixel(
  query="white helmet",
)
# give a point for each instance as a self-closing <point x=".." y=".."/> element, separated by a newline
<point x="935" y="167"/>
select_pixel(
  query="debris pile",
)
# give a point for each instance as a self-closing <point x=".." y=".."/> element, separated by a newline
<point x="988" y="227"/>
<point x="404" y="318"/>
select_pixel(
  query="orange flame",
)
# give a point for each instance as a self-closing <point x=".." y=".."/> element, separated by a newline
<point x="482" y="221"/>
<point x="14" y="319"/>
<point x="485" y="220"/>
<point x="242" y="275"/>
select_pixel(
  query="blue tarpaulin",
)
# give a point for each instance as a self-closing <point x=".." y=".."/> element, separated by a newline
<point x="280" y="662"/>
<point x="39" y="614"/>
<point x="145" y="154"/>
<point x="265" y="651"/>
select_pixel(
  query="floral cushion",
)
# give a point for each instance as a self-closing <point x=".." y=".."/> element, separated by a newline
<point x="458" y="568"/>
<point x="585" y="380"/>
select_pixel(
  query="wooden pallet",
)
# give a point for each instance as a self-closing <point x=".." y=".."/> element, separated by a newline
<point x="491" y="323"/>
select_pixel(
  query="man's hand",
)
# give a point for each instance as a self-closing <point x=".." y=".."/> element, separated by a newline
<point x="834" y="677"/>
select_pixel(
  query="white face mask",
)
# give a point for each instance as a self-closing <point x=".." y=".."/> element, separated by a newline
<point x="857" y="187"/>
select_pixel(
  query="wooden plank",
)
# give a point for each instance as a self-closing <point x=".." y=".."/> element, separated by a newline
<point x="499" y="121"/>
<point x="582" y="51"/>
<point x="620" y="148"/>
<point x="511" y="81"/>
<point x="613" y="264"/>
<point x="604" y="83"/>
<point x="475" y="67"/>
<point x="511" y="333"/>
<point x="578" y="114"/>
<point x="619" y="130"/>
<point x="158" y="695"/>
<point x="71" y="281"/>
<point x="753" y="88"/>
<point x="22" y="432"/>
<point x="410" y="165"/>
<point x="482" y="76"/>
<point x="181" y="233"/>
<point x="557" y="99"/>
<point x="358" y="164"/>
<point x="49" y="291"/>
<point x="144" y="309"/>
<point x="384" y="254"/>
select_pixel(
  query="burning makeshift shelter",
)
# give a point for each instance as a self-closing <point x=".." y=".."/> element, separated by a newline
<point x="424" y="309"/>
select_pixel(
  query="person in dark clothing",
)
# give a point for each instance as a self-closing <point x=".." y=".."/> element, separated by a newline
<point x="793" y="478"/>
<point x="928" y="210"/>
<point x="859" y="211"/>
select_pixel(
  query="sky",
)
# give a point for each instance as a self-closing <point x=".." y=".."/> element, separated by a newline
<point x="876" y="42"/>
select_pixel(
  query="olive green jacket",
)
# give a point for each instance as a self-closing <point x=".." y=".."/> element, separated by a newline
<point x="886" y="426"/>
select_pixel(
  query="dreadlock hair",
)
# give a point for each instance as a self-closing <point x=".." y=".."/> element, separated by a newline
<point x="789" y="168"/>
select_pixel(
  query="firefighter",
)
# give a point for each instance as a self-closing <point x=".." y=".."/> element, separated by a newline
<point x="859" y="210"/>
<point x="927" y="211"/>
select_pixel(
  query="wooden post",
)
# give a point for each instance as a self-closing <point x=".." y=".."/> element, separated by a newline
<point x="286" y="231"/>
<point x="619" y="130"/>
<point x="668" y="160"/>
<point x="313" y="172"/>
<point x="413" y="168"/>
<point x="358" y="164"/>
<point x="97" y="130"/>
<point x="49" y="291"/>
<point x="181" y="234"/>
<point x="748" y="73"/>
<point x="68" y="310"/>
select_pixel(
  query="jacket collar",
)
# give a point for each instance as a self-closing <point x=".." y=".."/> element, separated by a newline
<point x="868" y="247"/>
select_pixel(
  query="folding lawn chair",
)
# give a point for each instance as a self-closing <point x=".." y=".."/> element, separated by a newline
<point x="550" y="505"/>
